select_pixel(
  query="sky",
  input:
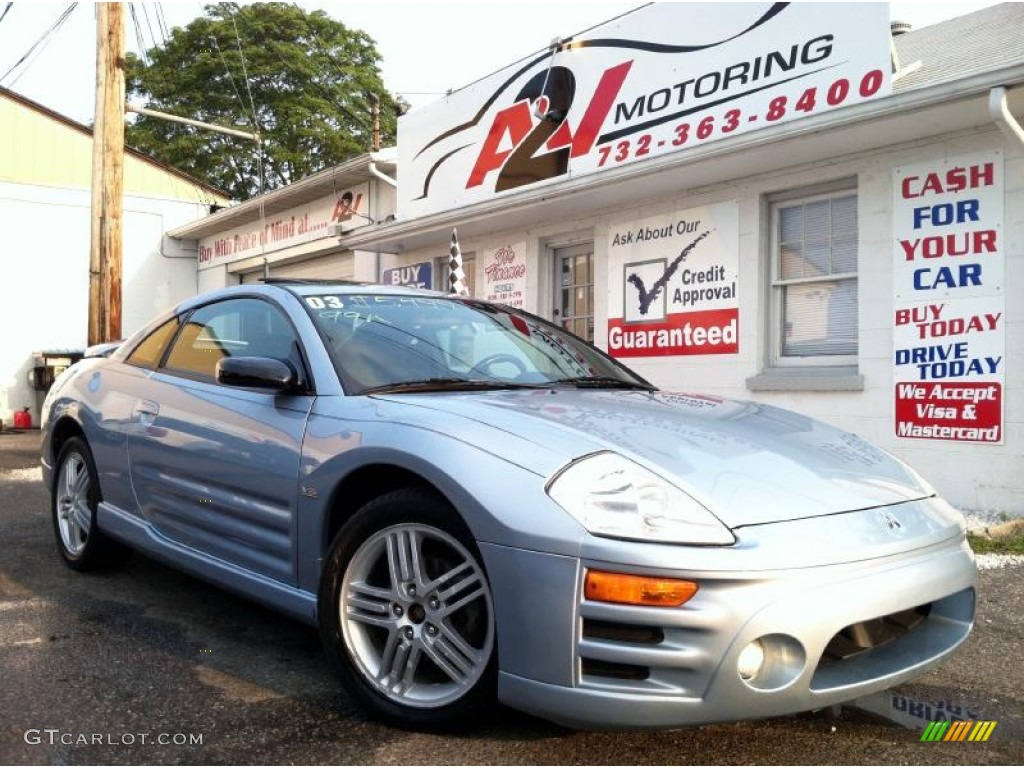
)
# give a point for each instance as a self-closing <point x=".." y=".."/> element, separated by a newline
<point x="427" y="47"/>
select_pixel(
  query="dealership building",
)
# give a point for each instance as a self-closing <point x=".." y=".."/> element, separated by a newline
<point x="783" y="203"/>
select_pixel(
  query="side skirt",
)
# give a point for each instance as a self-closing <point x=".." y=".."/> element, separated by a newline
<point x="297" y="603"/>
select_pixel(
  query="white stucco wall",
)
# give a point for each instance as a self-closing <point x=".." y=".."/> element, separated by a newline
<point x="46" y="275"/>
<point x="973" y="476"/>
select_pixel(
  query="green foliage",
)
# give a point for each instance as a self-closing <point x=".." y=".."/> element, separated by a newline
<point x="1010" y="545"/>
<point x="312" y="81"/>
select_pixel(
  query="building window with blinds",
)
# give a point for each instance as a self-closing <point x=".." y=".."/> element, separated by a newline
<point x="814" y="280"/>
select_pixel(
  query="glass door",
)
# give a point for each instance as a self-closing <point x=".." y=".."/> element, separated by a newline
<point x="574" y="289"/>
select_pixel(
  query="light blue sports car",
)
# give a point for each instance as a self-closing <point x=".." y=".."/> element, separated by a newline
<point x="474" y="505"/>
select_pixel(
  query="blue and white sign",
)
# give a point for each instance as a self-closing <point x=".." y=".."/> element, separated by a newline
<point x="411" y="276"/>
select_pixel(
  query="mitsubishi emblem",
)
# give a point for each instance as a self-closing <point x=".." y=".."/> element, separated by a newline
<point x="891" y="523"/>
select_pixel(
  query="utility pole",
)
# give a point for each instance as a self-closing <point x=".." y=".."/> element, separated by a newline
<point x="375" y="112"/>
<point x="107" y="177"/>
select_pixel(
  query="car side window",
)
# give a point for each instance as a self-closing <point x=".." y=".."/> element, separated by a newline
<point x="233" y="328"/>
<point x="148" y="352"/>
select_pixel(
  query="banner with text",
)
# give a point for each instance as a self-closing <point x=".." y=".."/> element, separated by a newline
<point x="664" y="78"/>
<point x="679" y="273"/>
<point x="294" y="226"/>
<point x="949" y="354"/>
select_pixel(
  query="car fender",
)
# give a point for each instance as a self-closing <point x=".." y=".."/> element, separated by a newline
<point x="500" y="502"/>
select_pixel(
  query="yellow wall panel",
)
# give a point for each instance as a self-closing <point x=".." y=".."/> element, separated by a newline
<point x="36" y="148"/>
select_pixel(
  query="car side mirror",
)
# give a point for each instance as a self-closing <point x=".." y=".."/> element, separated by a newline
<point x="256" y="372"/>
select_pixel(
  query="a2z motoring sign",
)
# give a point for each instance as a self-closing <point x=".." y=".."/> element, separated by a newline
<point x="679" y="275"/>
<point x="949" y="304"/>
<point x="664" y="78"/>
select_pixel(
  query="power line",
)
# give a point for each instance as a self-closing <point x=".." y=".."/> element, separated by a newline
<point x="162" y="23"/>
<point x="323" y="87"/>
<point x="6" y="9"/>
<point x="138" y="34"/>
<point x="245" y="74"/>
<point x="145" y="12"/>
<point x="231" y="77"/>
<point x="43" y="39"/>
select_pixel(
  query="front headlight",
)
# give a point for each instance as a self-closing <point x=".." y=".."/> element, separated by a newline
<point x="613" y="496"/>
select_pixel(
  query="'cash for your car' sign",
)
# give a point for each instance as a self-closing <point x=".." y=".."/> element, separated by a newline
<point x="679" y="275"/>
<point x="948" y="299"/>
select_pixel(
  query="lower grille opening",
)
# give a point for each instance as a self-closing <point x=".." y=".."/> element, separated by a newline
<point x="624" y="633"/>
<point x="866" y="635"/>
<point x="597" y="668"/>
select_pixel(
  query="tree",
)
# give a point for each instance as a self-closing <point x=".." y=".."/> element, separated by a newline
<point x="312" y="81"/>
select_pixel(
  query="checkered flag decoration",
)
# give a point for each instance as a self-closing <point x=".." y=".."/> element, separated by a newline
<point x="456" y="277"/>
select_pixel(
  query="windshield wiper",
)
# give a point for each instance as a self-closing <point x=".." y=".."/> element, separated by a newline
<point x="445" y="384"/>
<point x="600" y="382"/>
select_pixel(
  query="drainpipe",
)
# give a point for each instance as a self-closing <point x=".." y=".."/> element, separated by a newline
<point x="1002" y="116"/>
<point x="372" y="168"/>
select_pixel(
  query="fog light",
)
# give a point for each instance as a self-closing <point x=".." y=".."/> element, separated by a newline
<point x="751" y="660"/>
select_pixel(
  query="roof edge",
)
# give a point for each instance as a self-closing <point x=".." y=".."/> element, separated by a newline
<point x="84" y="129"/>
<point x="387" y="156"/>
<point x="918" y="98"/>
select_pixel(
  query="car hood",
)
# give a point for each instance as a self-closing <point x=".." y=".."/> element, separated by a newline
<point x="748" y="463"/>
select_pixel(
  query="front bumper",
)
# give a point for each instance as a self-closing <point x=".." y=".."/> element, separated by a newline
<point x="590" y="664"/>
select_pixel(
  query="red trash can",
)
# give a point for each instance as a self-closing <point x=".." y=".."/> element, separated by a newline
<point x="23" y="419"/>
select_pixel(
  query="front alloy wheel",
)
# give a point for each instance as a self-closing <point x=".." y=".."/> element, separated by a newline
<point x="410" y="620"/>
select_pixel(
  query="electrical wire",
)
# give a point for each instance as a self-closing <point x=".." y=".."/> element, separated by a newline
<point x="341" y="73"/>
<point x="231" y="77"/>
<point x="145" y="12"/>
<point x="6" y="9"/>
<point x="138" y="35"/>
<point x="245" y="74"/>
<point x="161" y="21"/>
<point x="44" y="39"/>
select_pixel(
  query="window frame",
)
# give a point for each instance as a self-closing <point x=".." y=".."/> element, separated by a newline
<point x="161" y="352"/>
<point x="776" y="284"/>
<point x="304" y="379"/>
<point x="557" y="250"/>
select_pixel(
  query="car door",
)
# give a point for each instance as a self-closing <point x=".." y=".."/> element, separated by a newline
<point x="215" y="467"/>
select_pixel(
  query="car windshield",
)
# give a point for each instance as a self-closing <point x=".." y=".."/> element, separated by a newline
<point x="394" y="343"/>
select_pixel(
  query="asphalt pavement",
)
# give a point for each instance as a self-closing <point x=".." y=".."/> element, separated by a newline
<point x="145" y="665"/>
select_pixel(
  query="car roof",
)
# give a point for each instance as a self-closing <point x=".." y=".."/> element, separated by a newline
<point x="275" y="286"/>
<point x="314" y="287"/>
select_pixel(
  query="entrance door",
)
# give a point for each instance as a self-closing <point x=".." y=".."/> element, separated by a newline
<point x="574" y="289"/>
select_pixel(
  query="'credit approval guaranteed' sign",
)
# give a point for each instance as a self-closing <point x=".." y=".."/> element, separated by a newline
<point x="679" y="274"/>
<point x="663" y="78"/>
<point x="949" y="305"/>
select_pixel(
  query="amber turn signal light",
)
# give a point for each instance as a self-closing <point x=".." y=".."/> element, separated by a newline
<point x="607" y="587"/>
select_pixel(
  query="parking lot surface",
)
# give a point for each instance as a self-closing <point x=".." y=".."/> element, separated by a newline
<point x="146" y="665"/>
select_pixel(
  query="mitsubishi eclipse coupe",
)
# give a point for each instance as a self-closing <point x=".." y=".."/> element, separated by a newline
<point x="472" y="505"/>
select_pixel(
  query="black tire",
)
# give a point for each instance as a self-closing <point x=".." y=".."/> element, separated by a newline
<point x="74" y="497"/>
<point x="423" y="659"/>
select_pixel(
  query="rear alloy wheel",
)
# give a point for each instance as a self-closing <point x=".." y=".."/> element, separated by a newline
<point x="75" y="497"/>
<point x="407" y="613"/>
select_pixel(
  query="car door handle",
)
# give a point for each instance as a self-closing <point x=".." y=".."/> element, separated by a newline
<point x="146" y="412"/>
